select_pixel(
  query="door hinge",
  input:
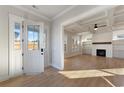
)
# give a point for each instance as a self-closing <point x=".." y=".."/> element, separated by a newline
<point x="22" y="26"/>
<point x="22" y="40"/>
<point x="22" y="54"/>
<point x="22" y="68"/>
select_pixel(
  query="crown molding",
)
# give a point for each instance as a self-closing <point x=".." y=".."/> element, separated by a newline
<point x="32" y="12"/>
<point x="64" y="11"/>
<point x="44" y="17"/>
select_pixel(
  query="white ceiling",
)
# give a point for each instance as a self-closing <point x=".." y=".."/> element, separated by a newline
<point x="49" y="11"/>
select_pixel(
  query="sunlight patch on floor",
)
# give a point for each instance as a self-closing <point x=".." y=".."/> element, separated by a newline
<point x="92" y="73"/>
<point x="116" y="71"/>
<point x="84" y="73"/>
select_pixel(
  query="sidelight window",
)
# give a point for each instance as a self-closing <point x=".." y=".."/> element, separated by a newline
<point x="17" y="30"/>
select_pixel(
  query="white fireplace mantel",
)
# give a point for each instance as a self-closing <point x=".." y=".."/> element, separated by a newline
<point x="107" y="47"/>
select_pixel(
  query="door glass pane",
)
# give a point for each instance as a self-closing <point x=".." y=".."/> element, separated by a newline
<point x="33" y="37"/>
<point x="30" y="40"/>
<point x="36" y="36"/>
<point x="17" y="30"/>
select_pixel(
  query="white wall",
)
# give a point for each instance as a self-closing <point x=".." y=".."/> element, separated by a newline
<point x="73" y="15"/>
<point x="3" y="43"/>
<point x="102" y="36"/>
<point x="4" y="29"/>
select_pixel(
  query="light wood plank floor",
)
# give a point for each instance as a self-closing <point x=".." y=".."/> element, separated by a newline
<point x="79" y="71"/>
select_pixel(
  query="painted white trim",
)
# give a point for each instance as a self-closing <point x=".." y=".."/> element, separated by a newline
<point x="4" y="78"/>
<point x="33" y="73"/>
<point x="64" y="11"/>
<point x="44" y="17"/>
<point x="57" y="67"/>
<point x="32" y="12"/>
<point x="62" y="47"/>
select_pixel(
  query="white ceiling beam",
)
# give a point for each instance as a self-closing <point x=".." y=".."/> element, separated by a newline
<point x="87" y="14"/>
<point x="63" y="12"/>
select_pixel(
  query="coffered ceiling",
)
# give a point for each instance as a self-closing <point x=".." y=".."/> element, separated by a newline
<point x="88" y="23"/>
<point x="105" y="20"/>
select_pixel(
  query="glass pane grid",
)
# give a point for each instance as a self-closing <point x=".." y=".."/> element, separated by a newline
<point x="17" y="43"/>
<point x="33" y="37"/>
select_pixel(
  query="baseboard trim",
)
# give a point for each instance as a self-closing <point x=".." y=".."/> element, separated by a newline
<point x="57" y="67"/>
<point x="4" y="78"/>
<point x="33" y="73"/>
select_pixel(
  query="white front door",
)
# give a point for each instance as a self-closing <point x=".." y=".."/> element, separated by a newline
<point x="15" y="45"/>
<point x="33" y="48"/>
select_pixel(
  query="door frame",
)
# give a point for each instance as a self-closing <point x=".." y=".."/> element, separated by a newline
<point x="72" y="20"/>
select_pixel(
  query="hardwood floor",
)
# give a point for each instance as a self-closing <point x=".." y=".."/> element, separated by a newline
<point x="79" y="71"/>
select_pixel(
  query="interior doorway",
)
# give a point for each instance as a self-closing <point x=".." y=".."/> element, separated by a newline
<point x="76" y="42"/>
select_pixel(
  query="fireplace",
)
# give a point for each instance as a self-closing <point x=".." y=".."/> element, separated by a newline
<point x="101" y="52"/>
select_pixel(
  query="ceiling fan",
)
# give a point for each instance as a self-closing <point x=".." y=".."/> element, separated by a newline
<point x="96" y="26"/>
<point x="34" y="6"/>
